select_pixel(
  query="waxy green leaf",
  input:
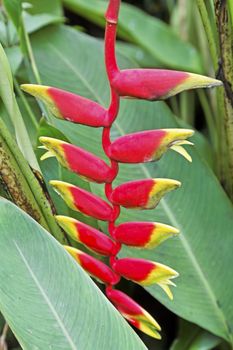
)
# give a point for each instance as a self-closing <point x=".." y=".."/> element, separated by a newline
<point x="42" y="285"/>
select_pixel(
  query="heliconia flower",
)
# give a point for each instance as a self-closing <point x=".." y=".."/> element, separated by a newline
<point x="142" y="194"/>
<point x="78" y="160"/>
<point x="69" y="106"/>
<point x="80" y="200"/>
<point x="134" y="313"/>
<point x="147" y="146"/>
<point x="145" y="273"/>
<point x="87" y="235"/>
<point x="94" y="267"/>
<point x="143" y="234"/>
<point x="158" y="84"/>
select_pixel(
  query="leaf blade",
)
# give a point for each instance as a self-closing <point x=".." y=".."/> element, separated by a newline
<point x="69" y="308"/>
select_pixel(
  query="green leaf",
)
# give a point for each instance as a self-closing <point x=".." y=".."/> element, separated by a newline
<point x="150" y="33"/>
<point x="36" y="22"/>
<point x="192" y="337"/>
<point x="44" y="6"/>
<point x="47" y="299"/>
<point x="14" y="8"/>
<point x="137" y="54"/>
<point x="200" y="209"/>
<point x="15" y="58"/>
<point x="8" y="97"/>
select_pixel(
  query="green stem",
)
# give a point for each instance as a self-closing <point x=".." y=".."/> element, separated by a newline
<point x="211" y="124"/>
<point x="230" y="8"/>
<point x="31" y="54"/>
<point x="209" y="33"/>
<point x="23" y="186"/>
<point x="225" y="97"/>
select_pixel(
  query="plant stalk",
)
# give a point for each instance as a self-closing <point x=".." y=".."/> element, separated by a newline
<point x="23" y="187"/>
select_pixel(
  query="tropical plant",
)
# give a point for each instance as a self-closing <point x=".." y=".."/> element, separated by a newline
<point x="102" y="230"/>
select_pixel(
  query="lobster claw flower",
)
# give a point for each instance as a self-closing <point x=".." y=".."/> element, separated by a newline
<point x="143" y="234"/>
<point x="134" y="313"/>
<point x="78" y="160"/>
<point x="145" y="273"/>
<point x="158" y="84"/>
<point x="87" y="235"/>
<point x="69" y="106"/>
<point x="94" y="267"/>
<point x="148" y="146"/>
<point x="142" y="194"/>
<point x="83" y="201"/>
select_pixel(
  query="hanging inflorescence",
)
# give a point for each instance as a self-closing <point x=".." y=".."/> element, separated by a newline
<point x="140" y="147"/>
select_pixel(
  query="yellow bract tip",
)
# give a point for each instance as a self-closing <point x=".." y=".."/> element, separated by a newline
<point x="159" y="189"/>
<point x="195" y="81"/>
<point x="73" y="252"/>
<point x="54" y="146"/>
<point x="63" y="189"/>
<point x="69" y="225"/>
<point x="35" y="90"/>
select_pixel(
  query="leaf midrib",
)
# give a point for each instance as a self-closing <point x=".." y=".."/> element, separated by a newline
<point x="166" y="208"/>
<point x="46" y="298"/>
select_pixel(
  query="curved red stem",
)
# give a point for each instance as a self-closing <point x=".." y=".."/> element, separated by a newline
<point x="112" y="70"/>
<point x="110" y="51"/>
<point x="112" y="12"/>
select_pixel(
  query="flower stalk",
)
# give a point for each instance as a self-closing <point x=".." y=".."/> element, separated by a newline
<point x="145" y="146"/>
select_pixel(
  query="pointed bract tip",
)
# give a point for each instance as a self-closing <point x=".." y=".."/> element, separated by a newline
<point x="199" y="81"/>
<point x="161" y="233"/>
<point x="73" y="252"/>
<point x="167" y="183"/>
<point x="50" y="141"/>
<point x="163" y="275"/>
<point x="35" y="90"/>
<point x="55" y="149"/>
<point x="59" y="184"/>
<point x="163" y="228"/>
<point x="64" y="219"/>
<point x="64" y="190"/>
<point x="178" y="134"/>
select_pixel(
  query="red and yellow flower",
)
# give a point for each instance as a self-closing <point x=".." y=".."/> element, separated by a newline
<point x="134" y="313"/>
<point x="87" y="235"/>
<point x="81" y="200"/>
<point x="143" y="234"/>
<point x="146" y="273"/>
<point x="78" y="160"/>
<point x="143" y="194"/>
<point x="69" y="106"/>
<point x="150" y="145"/>
<point x="95" y="268"/>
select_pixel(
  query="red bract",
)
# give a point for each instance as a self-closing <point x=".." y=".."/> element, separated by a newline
<point x="94" y="267"/>
<point x="142" y="194"/>
<point x="157" y="84"/>
<point x="76" y="159"/>
<point x="83" y="201"/>
<point x="69" y="106"/>
<point x="147" y="146"/>
<point x="87" y="235"/>
<point x="145" y="272"/>
<point x="143" y="234"/>
<point x="134" y="313"/>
